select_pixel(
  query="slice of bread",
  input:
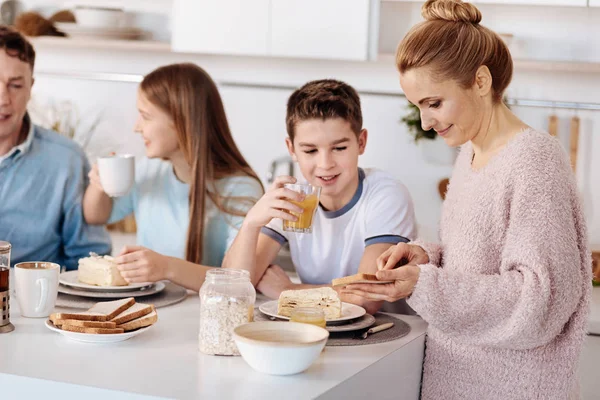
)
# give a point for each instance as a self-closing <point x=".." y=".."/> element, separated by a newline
<point x="133" y="312"/>
<point x="324" y="298"/>
<point x="103" y="311"/>
<point x="82" y="316"/>
<point x="83" y="329"/>
<point x="140" y="322"/>
<point x="357" y="278"/>
<point x="86" y="324"/>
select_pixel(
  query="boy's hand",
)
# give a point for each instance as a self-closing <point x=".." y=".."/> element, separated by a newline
<point x="275" y="203"/>
<point x="274" y="281"/>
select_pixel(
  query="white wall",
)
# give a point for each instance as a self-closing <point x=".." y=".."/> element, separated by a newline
<point x="257" y="115"/>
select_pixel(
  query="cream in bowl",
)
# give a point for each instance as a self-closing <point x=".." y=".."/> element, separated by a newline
<point x="280" y="348"/>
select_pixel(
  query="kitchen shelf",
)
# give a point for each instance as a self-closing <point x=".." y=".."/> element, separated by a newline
<point x="101" y="44"/>
<point x="152" y="6"/>
<point x="535" y="65"/>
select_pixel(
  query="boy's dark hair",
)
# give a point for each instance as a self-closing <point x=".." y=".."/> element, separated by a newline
<point x="324" y="99"/>
<point x="16" y="45"/>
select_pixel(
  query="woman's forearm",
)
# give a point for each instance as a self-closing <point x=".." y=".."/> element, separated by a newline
<point x="97" y="206"/>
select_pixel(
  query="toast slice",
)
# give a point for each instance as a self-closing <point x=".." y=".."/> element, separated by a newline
<point x="133" y="312"/>
<point x="324" y="298"/>
<point x="357" y="278"/>
<point x="140" y="322"/>
<point x="85" y="324"/>
<point x="83" y="329"/>
<point x="103" y="311"/>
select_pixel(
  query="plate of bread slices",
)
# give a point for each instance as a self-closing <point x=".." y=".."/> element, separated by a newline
<point x="99" y="273"/>
<point x="324" y="298"/>
<point x="105" y="322"/>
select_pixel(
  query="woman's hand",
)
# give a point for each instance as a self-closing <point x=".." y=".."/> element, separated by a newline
<point x="404" y="280"/>
<point x="139" y="264"/>
<point x="275" y="203"/>
<point x="402" y="254"/>
<point x="397" y="264"/>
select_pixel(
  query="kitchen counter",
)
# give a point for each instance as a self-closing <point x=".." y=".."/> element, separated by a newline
<point x="164" y="362"/>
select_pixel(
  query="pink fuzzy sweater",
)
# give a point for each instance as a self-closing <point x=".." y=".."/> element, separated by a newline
<point x="506" y="294"/>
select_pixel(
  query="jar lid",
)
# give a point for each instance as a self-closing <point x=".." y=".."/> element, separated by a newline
<point x="5" y="246"/>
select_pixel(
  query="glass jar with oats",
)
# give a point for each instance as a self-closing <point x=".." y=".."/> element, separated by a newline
<point x="227" y="300"/>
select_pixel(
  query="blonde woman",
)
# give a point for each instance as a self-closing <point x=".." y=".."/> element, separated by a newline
<point x="192" y="191"/>
<point x="506" y="292"/>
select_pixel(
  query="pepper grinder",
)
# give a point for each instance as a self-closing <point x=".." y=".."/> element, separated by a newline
<point x="5" y="325"/>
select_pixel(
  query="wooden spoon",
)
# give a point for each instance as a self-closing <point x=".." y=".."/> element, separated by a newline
<point x="553" y="125"/>
<point x="574" y="141"/>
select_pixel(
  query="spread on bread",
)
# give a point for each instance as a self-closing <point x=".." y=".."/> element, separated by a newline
<point x="100" y="271"/>
<point x="324" y="298"/>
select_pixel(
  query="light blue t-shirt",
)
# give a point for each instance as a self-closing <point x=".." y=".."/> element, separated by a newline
<point x="160" y="203"/>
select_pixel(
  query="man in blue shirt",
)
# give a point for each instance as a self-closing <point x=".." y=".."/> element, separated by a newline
<point x="42" y="174"/>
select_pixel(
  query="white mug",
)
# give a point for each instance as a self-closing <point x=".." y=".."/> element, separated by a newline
<point x="36" y="287"/>
<point x="117" y="174"/>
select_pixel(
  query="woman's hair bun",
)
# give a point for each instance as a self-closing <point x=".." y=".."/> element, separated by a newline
<point x="450" y="10"/>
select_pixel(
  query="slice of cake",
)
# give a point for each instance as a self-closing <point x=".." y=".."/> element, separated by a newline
<point x="324" y="298"/>
<point x="100" y="271"/>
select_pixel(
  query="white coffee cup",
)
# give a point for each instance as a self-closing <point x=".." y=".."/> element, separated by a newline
<point x="117" y="174"/>
<point x="36" y="287"/>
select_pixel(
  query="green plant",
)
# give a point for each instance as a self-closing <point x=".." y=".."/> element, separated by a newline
<point x="413" y="122"/>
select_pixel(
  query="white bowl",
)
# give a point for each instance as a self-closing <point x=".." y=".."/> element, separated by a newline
<point x="280" y="348"/>
<point x="98" y="17"/>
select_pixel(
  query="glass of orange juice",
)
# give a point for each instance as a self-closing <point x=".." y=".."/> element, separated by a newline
<point x="309" y="206"/>
<point x="308" y="315"/>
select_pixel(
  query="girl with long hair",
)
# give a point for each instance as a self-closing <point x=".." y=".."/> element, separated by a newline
<point x="192" y="191"/>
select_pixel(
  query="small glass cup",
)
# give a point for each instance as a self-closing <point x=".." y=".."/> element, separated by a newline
<point x="309" y="206"/>
<point x="308" y="315"/>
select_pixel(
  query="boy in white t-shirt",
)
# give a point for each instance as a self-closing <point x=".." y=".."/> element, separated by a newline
<point x="361" y="213"/>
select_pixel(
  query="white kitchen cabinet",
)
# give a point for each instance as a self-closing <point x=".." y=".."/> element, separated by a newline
<point x="594" y="3"/>
<point x="335" y="29"/>
<point x="238" y="27"/>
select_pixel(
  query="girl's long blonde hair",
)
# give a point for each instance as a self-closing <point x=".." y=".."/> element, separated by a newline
<point x="190" y="97"/>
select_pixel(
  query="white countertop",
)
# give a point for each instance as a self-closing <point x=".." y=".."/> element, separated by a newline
<point x="165" y="362"/>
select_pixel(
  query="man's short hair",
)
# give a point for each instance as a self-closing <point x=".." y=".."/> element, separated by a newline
<point x="324" y="99"/>
<point x="16" y="45"/>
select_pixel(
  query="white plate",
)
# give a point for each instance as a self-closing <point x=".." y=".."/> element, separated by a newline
<point x="78" y="31"/>
<point x="349" y="311"/>
<point x="119" y="294"/>
<point x="70" y="278"/>
<point x="95" y="337"/>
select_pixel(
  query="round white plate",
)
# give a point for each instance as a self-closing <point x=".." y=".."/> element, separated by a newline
<point x="70" y="278"/>
<point x="95" y="337"/>
<point x="152" y="289"/>
<point x="349" y="311"/>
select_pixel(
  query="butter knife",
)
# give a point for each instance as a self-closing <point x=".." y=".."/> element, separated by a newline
<point x="376" y="329"/>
